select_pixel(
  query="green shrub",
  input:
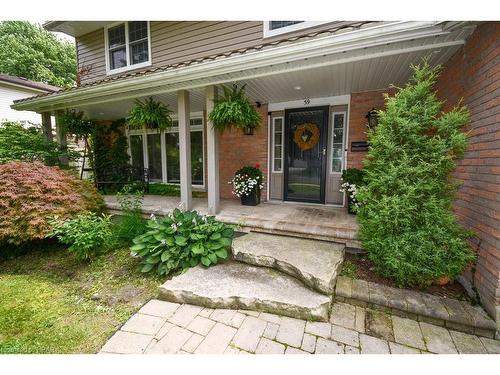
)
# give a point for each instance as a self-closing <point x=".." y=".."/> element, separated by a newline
<point x="30" y="193"/>
<point x="19" y="142"/>
<point x="354" y="176"/>
<point x="182" y="240"/>
<point x="87" y="234"/>
<point x="131" y="223"/>
<point x="405" y="217"/>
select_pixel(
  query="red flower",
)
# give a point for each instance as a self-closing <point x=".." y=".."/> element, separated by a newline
<point x="257" y="165"/>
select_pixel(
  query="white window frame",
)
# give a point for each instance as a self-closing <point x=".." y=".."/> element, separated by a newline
<point x="128" y="67"/>
<point x="268" y="33"/>
<point x="273" y="144"/>
<point x="342" y="159"/>
<point x="174" y="129"/>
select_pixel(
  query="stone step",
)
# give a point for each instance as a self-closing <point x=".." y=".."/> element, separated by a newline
<point x="236" y="285"/>
<point x="346" y="234"/>
<point x="315" y="263"/>
<point x="442" y="311"/>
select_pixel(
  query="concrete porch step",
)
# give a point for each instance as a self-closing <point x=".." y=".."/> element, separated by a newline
<point x="315" y="263"/>
<point x="236" y="285"/>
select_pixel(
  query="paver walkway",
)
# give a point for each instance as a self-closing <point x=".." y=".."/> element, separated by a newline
<point x="165" y="327"/>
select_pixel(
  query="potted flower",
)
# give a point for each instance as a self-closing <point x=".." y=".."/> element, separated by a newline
<point x="233" y="109"/>
<point x="247" y="184"/>
<point x="353" y="179"/>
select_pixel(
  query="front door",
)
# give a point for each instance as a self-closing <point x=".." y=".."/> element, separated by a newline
<point x="305" y="154"/>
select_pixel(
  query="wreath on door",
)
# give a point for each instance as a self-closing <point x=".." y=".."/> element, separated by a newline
<point x="306" y="136"/>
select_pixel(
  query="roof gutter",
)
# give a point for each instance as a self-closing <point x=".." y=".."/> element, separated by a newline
<point x="358" y="39"/>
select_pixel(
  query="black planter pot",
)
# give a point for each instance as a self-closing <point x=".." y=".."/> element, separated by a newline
<point x="250" y="200"/>
<point x="350" y="206"/>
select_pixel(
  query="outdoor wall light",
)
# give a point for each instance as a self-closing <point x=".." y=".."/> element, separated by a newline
<point x="372" y="117"/>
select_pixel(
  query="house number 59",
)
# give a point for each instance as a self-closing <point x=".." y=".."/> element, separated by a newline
<point x="307" y="101"/>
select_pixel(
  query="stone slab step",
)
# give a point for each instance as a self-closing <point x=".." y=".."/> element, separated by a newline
<point x="237" y="285"/>
<point x="315" y="263"/>
<point x="448" y="312"/>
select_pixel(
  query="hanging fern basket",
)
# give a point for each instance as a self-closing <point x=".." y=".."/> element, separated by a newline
<point x="150" y="114"/>
<point x="234" y="110"/>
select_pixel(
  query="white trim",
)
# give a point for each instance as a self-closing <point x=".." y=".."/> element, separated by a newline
<point x="310" y="102"/>
<point x="128" y="67"/>
<point x="273" y="144"/>
<point x="342" y="159"/>
<point x="288" y="29"/>
<point x="207" y="73"/>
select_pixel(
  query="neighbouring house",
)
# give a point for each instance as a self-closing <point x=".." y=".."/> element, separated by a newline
<point x="328" y="74"/>
<point x="15" y="88"/>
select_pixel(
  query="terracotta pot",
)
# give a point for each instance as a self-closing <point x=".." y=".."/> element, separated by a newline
<point x="443" y="280"/>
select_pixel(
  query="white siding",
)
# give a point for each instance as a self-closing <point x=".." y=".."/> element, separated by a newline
<point x="8" y="94"/>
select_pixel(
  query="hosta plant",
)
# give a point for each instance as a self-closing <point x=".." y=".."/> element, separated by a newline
<point x="181" y="240"/>
<point x="86" y="233"/>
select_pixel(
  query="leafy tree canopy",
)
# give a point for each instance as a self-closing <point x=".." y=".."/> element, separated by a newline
<point x="29" y="51"/>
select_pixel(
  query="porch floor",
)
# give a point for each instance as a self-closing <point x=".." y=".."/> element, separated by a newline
<point x="294" y="219"/>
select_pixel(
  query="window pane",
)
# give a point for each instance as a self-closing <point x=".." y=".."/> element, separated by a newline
<point x="154" y="156"/>
<point x="337" y="151"/>
<point x="139" y="52"/>
<point x="173" y="159"/>
<point x="277" y="165"/>
<point x="336" y="165"/>
<point x="136" y="151"/>
<point x="273" y="25"/>
<point x="117" y="58"/>
<point x="172" y="149"/>
<point x="338" y="121"/>
<point x="338" y="135"/>
<point x="116" y="36"/>
<point x="278" y="124"/>
<point x="137" y="30"/>
<point x="197" y="158"/>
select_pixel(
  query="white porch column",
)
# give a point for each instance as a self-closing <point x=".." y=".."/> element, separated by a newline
<point x="61" y="140"/>
<point x="184" y="148"/>
<point x="47" y="126"/>
<point x="212" y="156"/>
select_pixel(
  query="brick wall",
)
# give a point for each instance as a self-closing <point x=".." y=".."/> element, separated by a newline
<point x="473" y="74"/>
<point x="237" y="150"/>
<point x="361" y="103"/>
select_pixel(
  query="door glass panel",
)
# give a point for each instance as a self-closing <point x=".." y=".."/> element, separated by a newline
<point x="154" y="156"/>
<point x="305" y="155"/>
<point x="136" y="150"/>
<point x="337" y="142"/>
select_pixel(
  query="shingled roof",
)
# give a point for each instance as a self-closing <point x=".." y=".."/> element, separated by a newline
<point x="21" y="81"/>
<point x="337" y="29"/>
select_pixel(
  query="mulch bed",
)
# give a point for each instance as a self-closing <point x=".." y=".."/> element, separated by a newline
<point x="364" y="270"/>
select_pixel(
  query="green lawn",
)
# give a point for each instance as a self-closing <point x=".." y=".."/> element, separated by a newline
<point x="51" y="303"/>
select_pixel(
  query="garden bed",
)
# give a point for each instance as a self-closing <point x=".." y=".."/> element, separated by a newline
<point x="52" y="303"/>
<point x="357" y="266"/>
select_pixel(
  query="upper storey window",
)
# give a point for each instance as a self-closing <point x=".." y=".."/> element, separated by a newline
<point x="128" y="46"/>
<point x="273" y="28"/>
